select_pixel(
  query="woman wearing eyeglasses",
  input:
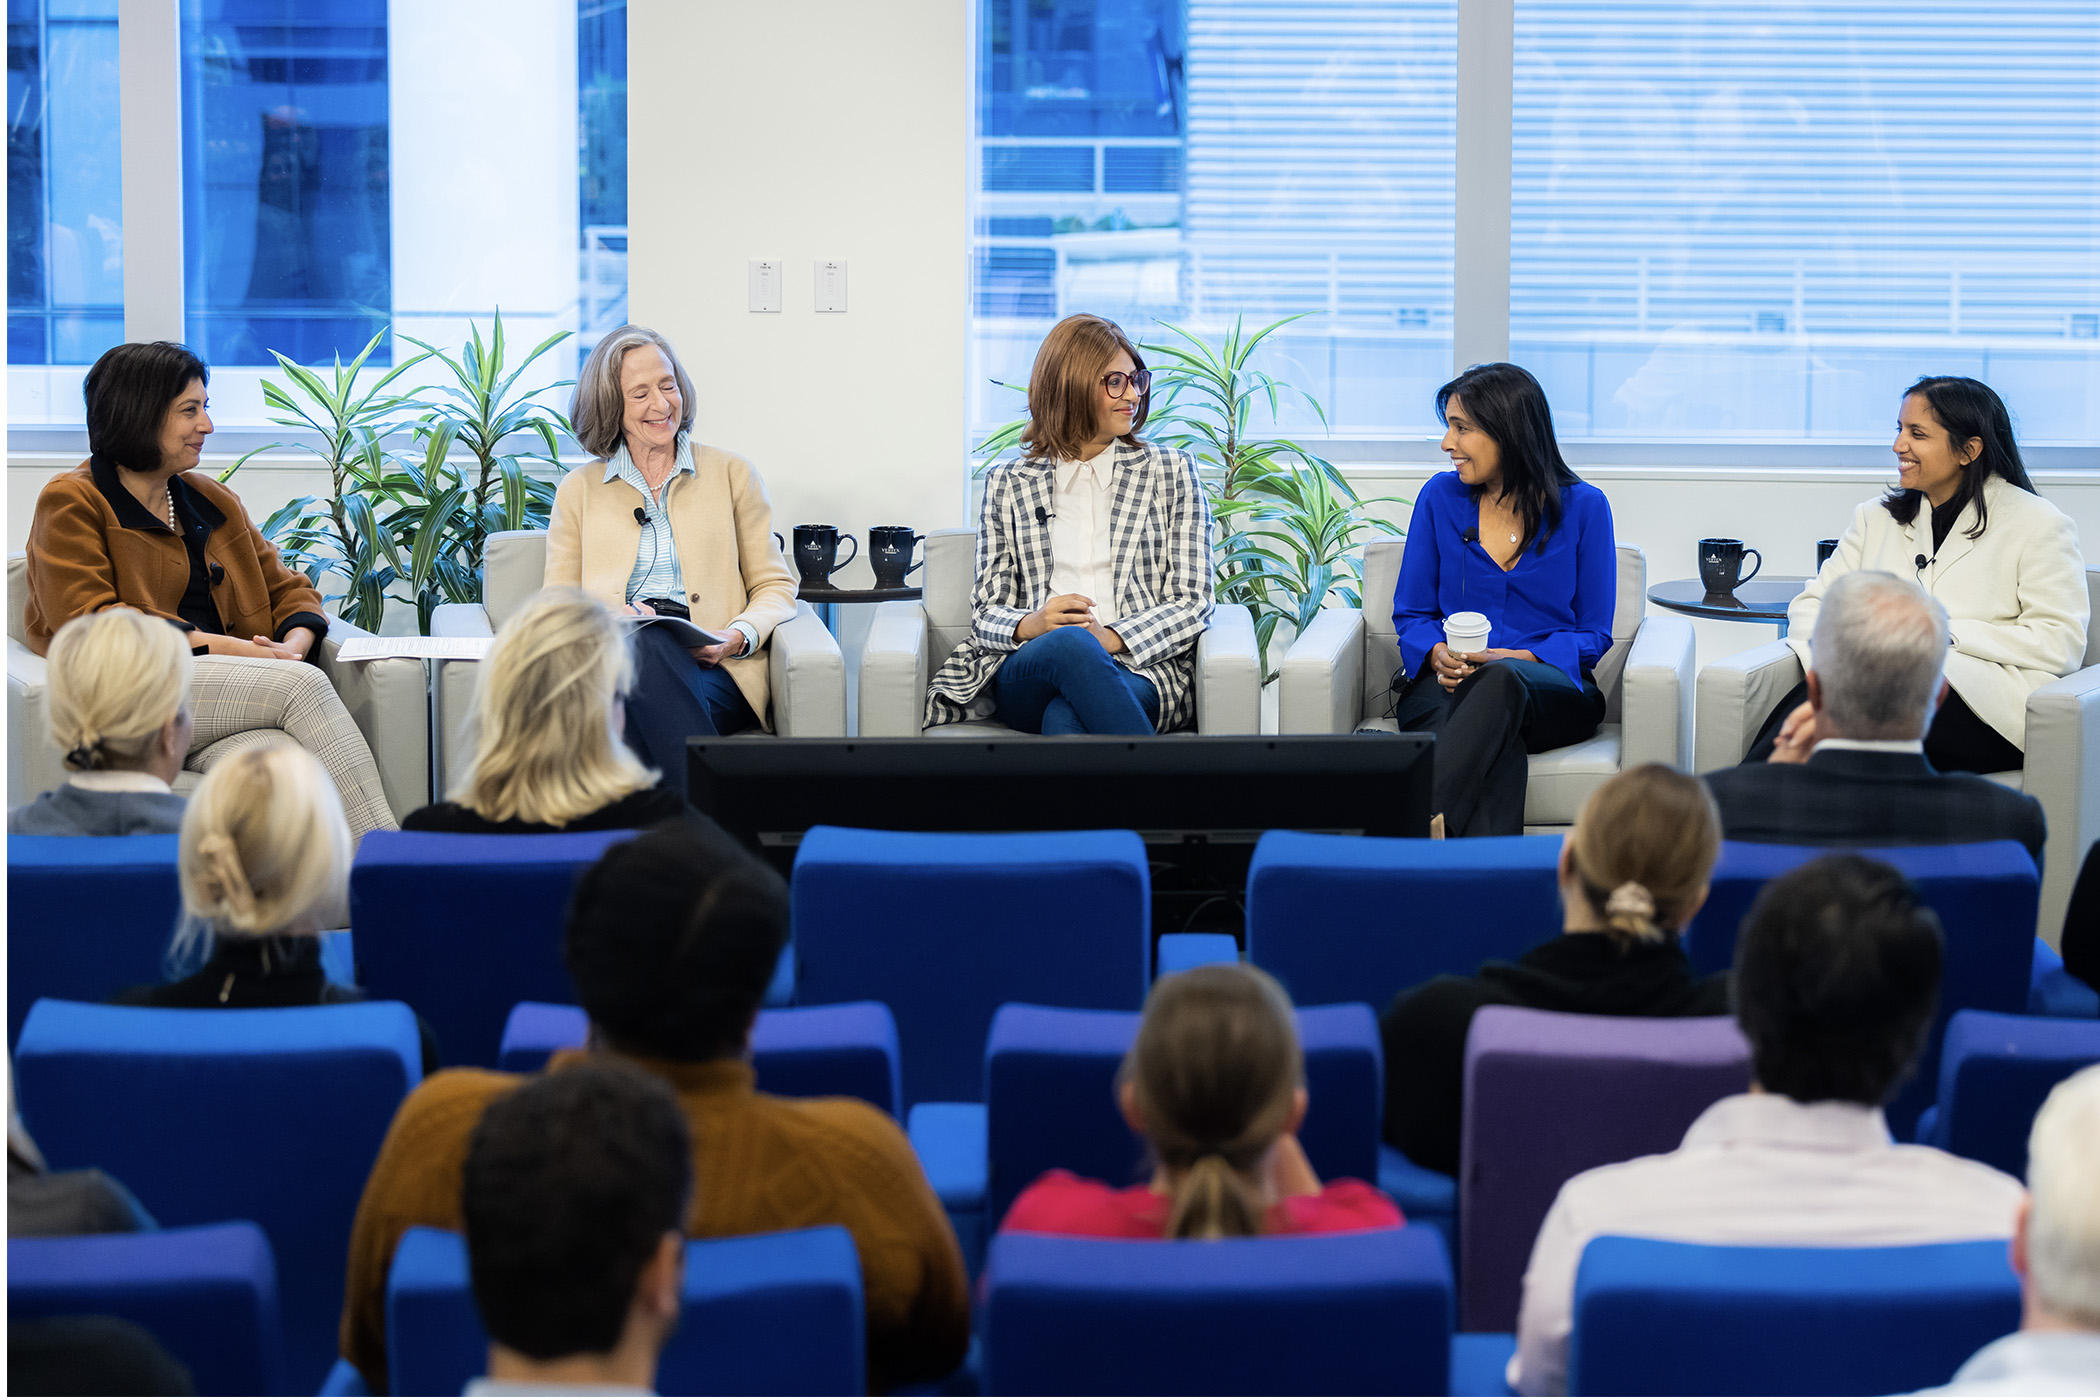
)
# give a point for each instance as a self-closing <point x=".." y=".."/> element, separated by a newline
<point x="1093" y="559"/>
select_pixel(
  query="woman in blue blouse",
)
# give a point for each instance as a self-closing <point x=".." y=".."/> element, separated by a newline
<point x="1512" y="533"/>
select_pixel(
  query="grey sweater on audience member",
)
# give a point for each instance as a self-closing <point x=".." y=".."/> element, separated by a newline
<point x="68" y="810"/>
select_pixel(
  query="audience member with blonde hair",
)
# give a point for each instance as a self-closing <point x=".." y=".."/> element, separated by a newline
<point x="548" y="716"/>
<point x="264" y="865"/>
<point x="118" y="689"/>
<point x="2056" y="1253"/>
<point x="1216" y="1084"/>
<point x="1633" y="871"/>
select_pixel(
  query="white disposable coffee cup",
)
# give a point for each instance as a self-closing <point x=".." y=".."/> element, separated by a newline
<point x="1466" y="632"/>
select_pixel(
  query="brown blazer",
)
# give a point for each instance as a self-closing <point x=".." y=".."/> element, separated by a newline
<point x="759" y="1163"/>
<point x="723" y="523"/>
<point x="93" y="546"/>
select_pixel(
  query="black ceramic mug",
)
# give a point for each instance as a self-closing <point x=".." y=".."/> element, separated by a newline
<point x="1721" y="565"/>
<point x="889" y="554"/>
<point x="817" y="553"/>
<point x="1824" y="549"/>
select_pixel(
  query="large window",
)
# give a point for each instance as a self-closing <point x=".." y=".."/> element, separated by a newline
<point x="1760" y="222"/>
<point x="65" y="210"/>
<point x="1194" y="162"/>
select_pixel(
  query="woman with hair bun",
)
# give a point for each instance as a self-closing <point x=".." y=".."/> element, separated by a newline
<point x="118" y="693"/>
<point x="1966" y="523"/>
<point x="1633" y="871"/>
<point x="1215" y="1083"/>
<point x="264" y="864"/>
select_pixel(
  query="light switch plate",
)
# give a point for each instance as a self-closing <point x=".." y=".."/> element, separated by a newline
<point x="765" y="284"/>
<point x="831" y="284"/>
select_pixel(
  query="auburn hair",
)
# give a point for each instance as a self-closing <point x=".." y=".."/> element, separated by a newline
<point x="1064" y="387"/>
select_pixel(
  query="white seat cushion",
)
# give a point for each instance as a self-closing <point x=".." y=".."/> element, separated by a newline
<point x="1562" y="779"/>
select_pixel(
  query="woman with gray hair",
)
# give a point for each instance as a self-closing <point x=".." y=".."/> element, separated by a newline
<point x="659" y="524"/>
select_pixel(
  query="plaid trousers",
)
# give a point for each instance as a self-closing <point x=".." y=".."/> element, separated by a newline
<point x="243" y="702"/>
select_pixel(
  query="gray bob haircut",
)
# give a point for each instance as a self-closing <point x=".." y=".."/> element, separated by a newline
<point x="597" y="408"/>
<point x="1880" y="645"/>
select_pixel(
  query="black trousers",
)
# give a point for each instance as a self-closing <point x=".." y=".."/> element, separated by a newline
<point x="1958" y="741"/>
<point x="675" y="698"/>
<point x="1485" y="728"/>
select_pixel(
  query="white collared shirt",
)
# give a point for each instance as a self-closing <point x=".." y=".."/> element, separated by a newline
<point x="117" y="780"/>
<point x="1916" y="746"/>
<point x="2031" y="1363"/>
<point x="1082" y="556"/>
<point x="1754" y="1169"/>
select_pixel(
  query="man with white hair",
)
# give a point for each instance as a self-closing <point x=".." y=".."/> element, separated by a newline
<point x="2056" y="1253"/>
<point x="1854" y="772"/>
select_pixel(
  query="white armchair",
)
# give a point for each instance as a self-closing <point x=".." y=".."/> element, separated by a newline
<point x="1338" y="675"/>
<point x="908" y="642"/>
<point x="2062" y="772"/>
<point x="388" y="700"/>
<point x="808" y="672"/>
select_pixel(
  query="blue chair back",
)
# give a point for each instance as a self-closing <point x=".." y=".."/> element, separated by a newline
<point x="1050" y="1098"/>
<point x="1355" y="1314"/>
<point x="1985" y="895"/>
<point x="1660" y="1318"/>
<point x="207" y="1294"/>
<point x="1994" y="1073"/>
<point x="1360" y="918"/>
<point x="86" y="917"/>
<point x="797" y="1052"/>
<point x="463" y="928"/>
<point x="273" y="1116"/>
<point x="778" y="1314"/>
<point x="946" y="928"/>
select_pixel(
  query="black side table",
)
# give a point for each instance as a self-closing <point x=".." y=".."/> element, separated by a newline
<point x="1759" y="600"/>
<point x="826" y="599"/>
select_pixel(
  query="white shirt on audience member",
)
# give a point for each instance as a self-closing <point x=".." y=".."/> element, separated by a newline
<point x="2030" y="1363"/>
<point x="1754" y="1169"/>
<point x="1082" y="558"/>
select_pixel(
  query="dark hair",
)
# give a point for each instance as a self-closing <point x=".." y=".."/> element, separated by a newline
<point x="1837" y="972"/>
<point x="1510" y="407"/>
<point x="672" y="938"/>
<point x="571" y="1182"/>
<point x="128" y="392"/>
<point x="1966" y="408"/>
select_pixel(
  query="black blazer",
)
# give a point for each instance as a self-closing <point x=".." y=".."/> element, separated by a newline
<point x="649" y="807"/>
<point x="1854" y="797"/>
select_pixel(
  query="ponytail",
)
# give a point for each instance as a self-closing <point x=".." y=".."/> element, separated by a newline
<point x="1216" y="1201"/>
<point x="1642" y="850"/>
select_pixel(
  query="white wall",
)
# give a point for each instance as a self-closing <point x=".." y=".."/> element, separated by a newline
<point x="799" y="130"/>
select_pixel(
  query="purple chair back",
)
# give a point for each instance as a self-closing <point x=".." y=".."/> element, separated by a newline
<point x="1550" y="1094"/>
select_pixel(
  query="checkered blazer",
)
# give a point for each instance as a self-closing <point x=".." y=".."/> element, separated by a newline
<point x="1159" y="532"/>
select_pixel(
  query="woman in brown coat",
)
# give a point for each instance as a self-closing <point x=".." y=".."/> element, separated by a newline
<point x="137" y="525"/>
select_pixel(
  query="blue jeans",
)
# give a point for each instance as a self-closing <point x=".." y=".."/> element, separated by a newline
<point x="675" y="698"/>
<point x="1063" y="682"/>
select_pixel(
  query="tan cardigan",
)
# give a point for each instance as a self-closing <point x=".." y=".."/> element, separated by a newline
<point x="723" y="523"/>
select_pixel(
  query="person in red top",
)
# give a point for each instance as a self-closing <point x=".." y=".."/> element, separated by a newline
<point x="1216" y="1084"/>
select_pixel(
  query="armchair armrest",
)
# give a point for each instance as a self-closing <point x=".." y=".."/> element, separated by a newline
<point x="1322" y="685"/>
<point x="33" y="764"/>
<point x="2063" y="774"/>
<point x="1655" y="695"/>
<point x="893" y="672"/>
<point x="808" y="674"/>
<point x="452" y="691"/>
<point x="1228" y="673"/>
<point x="389" y="701"/>
<point x="1735" y="695"/>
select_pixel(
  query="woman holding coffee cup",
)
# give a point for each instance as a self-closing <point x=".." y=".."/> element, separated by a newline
<point x="660" y="524"/>
<point x="1093" y="559"/>
<point x="1967" y="524"/>
<point x="1505" y="601"/>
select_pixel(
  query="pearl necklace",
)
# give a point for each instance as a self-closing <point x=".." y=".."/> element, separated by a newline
<point x="171" y="509"/>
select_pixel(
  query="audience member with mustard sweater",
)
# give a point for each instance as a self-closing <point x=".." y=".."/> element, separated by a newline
<point x="1215" y="1084"/>
<point x="671" y="940"/>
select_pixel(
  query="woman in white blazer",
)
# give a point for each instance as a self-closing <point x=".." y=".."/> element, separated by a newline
<point x="1966" y="523"/>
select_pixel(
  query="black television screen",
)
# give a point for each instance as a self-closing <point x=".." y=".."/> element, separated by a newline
<point x="1199" y="801"/>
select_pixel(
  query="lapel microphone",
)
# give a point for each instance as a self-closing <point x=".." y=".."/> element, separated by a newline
<point x="1471" y="536"/>
<point x="218" y="575"/>
<point x="1921" y="561"/>
<point x="641" y="517"/>
<point x="1044" y="517"/>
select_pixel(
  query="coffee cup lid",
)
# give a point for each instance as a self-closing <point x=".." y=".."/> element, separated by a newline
<point x="1467" y="622"/>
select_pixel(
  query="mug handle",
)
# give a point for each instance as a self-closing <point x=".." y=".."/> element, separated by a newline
<point x="779" y="543"/>
<point x="1753" y="573"/>
<point x="916" y="541"/>
<point x="849" y="558"/>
